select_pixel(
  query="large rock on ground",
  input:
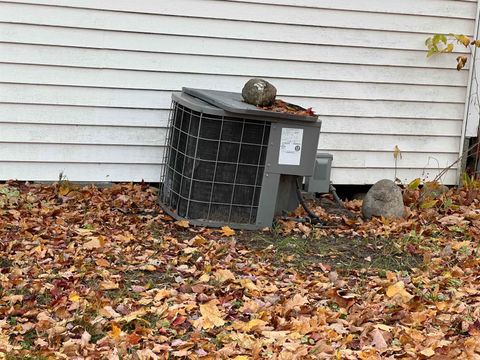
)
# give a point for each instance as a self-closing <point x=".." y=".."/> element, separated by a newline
<point x="383" y="199"/>
<point x="259" y="92"/>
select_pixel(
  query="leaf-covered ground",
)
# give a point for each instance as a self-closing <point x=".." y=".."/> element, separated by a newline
<point x="88" y="273"/>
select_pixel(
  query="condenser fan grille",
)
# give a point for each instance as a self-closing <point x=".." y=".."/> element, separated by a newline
<point x="214" y="166"/>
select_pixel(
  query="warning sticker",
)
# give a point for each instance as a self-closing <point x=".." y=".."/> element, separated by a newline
<point x="290" y="146"/>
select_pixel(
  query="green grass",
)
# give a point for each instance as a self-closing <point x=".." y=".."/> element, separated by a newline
<point x="343" y="253"/>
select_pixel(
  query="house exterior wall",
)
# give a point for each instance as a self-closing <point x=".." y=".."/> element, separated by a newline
<point x="85" y="85"/>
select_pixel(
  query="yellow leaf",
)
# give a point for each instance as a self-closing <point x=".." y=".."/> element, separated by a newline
<point x="457" y="245"/>
<point x="248" y="284"/>
<point x="428" y="204"/>
<point x="442" y="305"/>
<point x="134" y="315"/>
<point x="227" y="231"/>
<point x="241" y="357"/>
<point x="369" y="354"/>
<point x="211" y="316"/>
<point x="108" y="285"/>
<point x="95" y="242"/>
<point x="465" y="40"/>
<point x="73" y="297"/>
<point x="189" y="250"/>
<point x="296" y="301"/>
<point x="428" y="352"/>
<point x="149" y="267"/>
<point x="66" y="187"/>
<point x="384" y="327"/>
<point x="397" y="153"/>
<point x="162" y="294"/>
<point x="182" y="223"/>
<point x="116" y="332"/>
<point x="414" y="184"/>
<point x="276" y="335"/>
<point x="198" y="240"/>
<point x="254" y="324"/>
<point x="223" y="275"/>
<point x="398" y="290"/>
<point x="448" y="49"/>
<point x="102" y="263"/>
<point x="204" y="278"/>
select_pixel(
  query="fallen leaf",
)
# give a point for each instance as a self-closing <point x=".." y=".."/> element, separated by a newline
<point x="133" y="315"/>
<point x="254" y="324"/>
<point x="227" y="231"/>
<point x="211" y="316"/>
<point x="133" y="339"/>
<point x="398" y="290"/>
<point x="223" y="275"/>
<point x="74" y="297"/>
<point x="162" y="294"/>
<point x="85" y="339"/>
<point x="428" y="352"/>
<point x="378" y="341"/>
<point x="295" y="302"/>
<point x="102" y="263"/>
<point x="94" y="243"/>
<point x="116" y="332"/>
<point x="108" y="285"/>
<point x="204" y="278"/>
<point x="248" y="284"/>
<point x="182" y="224"/>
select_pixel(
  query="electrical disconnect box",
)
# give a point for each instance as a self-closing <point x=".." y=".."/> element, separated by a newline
<point x="319" y="182"/>
<point x="231" y="163"/>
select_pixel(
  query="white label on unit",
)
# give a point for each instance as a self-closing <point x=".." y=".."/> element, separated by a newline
<point x="290" y="146"/>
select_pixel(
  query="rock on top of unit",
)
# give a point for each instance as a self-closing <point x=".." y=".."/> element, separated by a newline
<point x="259" y="92"/>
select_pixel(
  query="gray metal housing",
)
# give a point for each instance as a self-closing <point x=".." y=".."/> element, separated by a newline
<point x="279" y="177"/>
<point x="320" y="181"/>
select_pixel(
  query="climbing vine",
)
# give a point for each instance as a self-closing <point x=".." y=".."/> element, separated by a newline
<point x="440" y="43"/>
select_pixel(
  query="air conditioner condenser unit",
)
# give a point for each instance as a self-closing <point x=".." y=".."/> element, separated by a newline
<point x="231" y="163"/>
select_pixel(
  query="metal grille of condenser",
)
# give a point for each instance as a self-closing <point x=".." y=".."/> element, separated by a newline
<point x="214" y="166"/>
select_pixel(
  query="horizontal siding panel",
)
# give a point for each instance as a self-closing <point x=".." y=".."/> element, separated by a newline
<point x="30" y="74"/>
<point x="281" y="14"/>
<point x="63" y="95"/>
<point x="457" y="9"/>
<point x="363" y="108"/>
<point x="391" y="126"/>
<point x="379" y="160"/>
<point x="74" y="115"/>
<point x="75" y="134"/>
<point x="362" y="142"/>
<point x="222" y="47"/>
<point x="203" y="64"/>
<point x="371" y="176"/>
<point x="80" y="172"/>
<point x="63" y="153"/>
<point x="219" y="28"/>
<point x="97" y="116"/>
<point x="112" y="154"/>
<point x="151" y="173"/>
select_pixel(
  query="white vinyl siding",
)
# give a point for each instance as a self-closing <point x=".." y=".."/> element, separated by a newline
<point x="85" y="85"/>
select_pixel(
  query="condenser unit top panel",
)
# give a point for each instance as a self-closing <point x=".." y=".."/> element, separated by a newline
<point x="233" y="103"/>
